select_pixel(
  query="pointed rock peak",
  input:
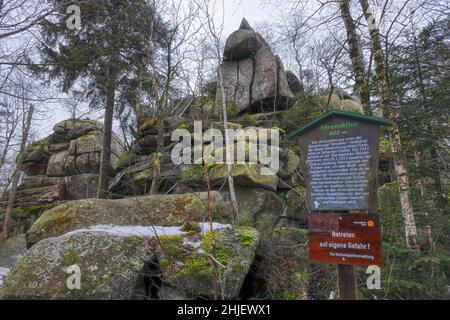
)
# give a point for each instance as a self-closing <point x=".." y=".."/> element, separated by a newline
<point x="245" y="25"/>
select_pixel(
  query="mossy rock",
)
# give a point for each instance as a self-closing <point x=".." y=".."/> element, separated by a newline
<point x="333" y="103"/>
<point x="248" y="175"/>
<point x="73" y="128"/>
<point x="12" y="249"/>
<point x="162" y="210"/>
<point x="188" y="268"/>
<point x="254" y="204"/>
<point x="148" y="124"/>
<point x="111" y="267"/>
<point x="352" y="106"/>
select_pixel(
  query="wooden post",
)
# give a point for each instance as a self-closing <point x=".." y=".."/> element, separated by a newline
<point x="347" y="282"/>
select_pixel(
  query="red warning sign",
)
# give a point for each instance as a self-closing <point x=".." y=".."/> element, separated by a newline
<point x="345" y="238"/>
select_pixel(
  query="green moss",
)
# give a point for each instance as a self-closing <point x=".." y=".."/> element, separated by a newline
<point x="385" y="146"/>
<point x="246" y="239"/>
<point x="90" y="283"/>
<point x="197" y="266"/>
<point x="185" y="126"/>
<point x="223" y="251"/>
<point x="44" y="144"/>
<point x="70" y="257"/>
<point x="172" y="246"/>
<point x="138" y="241"/>
<point x="39" y="208"/>
<point x="148" y="124"/>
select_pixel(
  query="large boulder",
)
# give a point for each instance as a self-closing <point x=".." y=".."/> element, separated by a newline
<point x="162" y="210"/>
<point x="237" y="82"/>
<point x="243" y="43"/>
<point x="90" y="162"/>
<point x="253" y="77"/>
<point x="109" y="266"/>
<point x="41" y="194"/>
<point x="247" y="175"/>
<point x="266" y="75"/>
<point x="82" y="156"/>
<point x="254" y="204"/>
<point x="136" y="178"/>
<point x="289" y="171"/>
<point x="89" y="143"/>
<point x="11" y="250"/>
<point x="36" y="158"/>
<point x="38" y="181"/>
<point x="55" y="164"/>
<point x="188" y="271"/>
<point x="73" y="128"/>
<point x="58" y="165"/>
<point x="294" y="83"/>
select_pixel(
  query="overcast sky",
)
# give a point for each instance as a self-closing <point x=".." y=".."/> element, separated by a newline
<point x="235" y="10"/>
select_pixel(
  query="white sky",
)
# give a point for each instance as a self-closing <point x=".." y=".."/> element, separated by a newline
<point x="235" y="10"/>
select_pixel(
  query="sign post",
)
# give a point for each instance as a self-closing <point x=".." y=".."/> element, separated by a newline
<point x="340" y="153"/>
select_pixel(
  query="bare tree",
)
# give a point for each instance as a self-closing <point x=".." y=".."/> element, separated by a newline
<point x="215" y="35"/>
<point x="28" y="116"/>
<point x="174" y="52"/>
<point x="355" y="53"/>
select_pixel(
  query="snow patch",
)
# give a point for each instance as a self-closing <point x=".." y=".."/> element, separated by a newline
<point x="3" y="273"/>
<point x="146" y="231"/>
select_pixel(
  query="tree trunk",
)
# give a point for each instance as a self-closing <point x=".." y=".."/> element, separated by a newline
<point x="361" y="84"/>
<point x="105" y="162"/>
<point x="228" y="142"/>
<point x="397" y="149"/>
<point x="156" y="181"/>
<point x="16" y="175"/>
<point x="212" y="231"/>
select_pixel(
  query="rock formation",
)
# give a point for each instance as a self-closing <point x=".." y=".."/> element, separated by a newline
<point x="294" y="83"/>
<point x="65" y="165"/>
<point x="253" y="77"/>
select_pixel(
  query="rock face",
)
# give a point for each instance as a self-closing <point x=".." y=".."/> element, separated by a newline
<point x="253" y="77"/>
<point x="147" y="141"/>
<point x="294" y="83"/>
<point x="11" y="250"/>
<point x="255" y="204"/>
<point x="161" y="210"/>
<point x="133" y="266"/>
<point x="110" y="267"/>
<point x="136" y="178"/>
<point x="189" y="274"/>
<point x="341" y="100"/>
<point x="58" y="166"/>
<point x="248" y="175"/>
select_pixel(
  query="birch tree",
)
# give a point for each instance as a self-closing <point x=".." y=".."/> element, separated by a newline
<point x="396" y="142"/>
